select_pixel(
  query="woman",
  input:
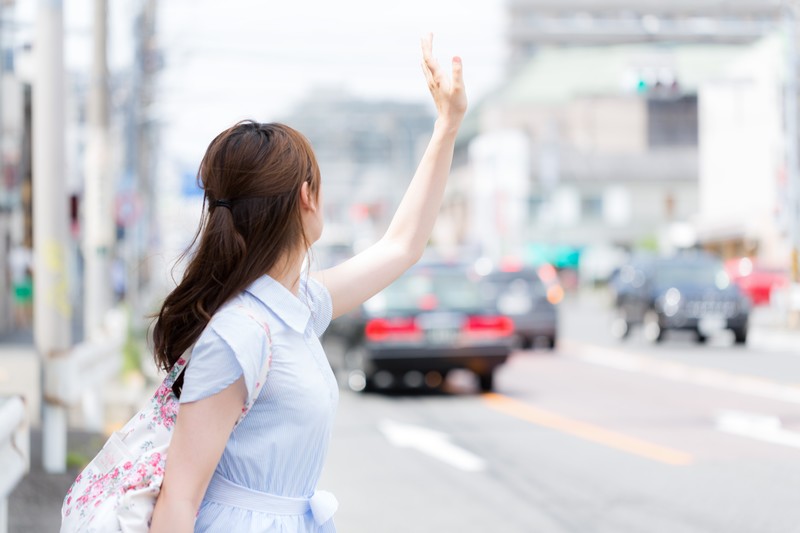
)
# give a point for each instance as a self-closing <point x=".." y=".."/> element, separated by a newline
<point x="265" y="210"/>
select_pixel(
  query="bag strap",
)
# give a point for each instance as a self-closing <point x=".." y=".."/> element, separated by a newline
<point x="178" y="367"/>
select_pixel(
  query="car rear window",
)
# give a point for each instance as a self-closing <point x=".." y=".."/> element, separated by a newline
<point x="429" y="290"/>
<point x="517" y="282"/>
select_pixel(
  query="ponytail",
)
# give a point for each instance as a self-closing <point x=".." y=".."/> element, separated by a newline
<point x="251" y="174"/>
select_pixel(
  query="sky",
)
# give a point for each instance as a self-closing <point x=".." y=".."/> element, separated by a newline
<point x="226" y="61"/>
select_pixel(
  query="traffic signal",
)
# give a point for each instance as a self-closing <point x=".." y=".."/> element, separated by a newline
<point x="656" y="82"/>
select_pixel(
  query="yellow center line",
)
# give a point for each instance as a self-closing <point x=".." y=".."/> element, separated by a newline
<point x="583" y="430"/>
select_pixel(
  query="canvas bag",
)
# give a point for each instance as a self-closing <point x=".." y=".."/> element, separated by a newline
<point x="117" y="491"/>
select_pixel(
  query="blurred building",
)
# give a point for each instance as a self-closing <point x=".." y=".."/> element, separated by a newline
<point x="622" y="105"/>
<point x="15" y="184"/>
<point x="367" y="151"/>
<point x="612" y="143"/>
<point x="743" y="179"/>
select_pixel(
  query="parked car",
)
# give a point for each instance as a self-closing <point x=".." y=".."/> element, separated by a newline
<point x="430" y="321"/>
<point x="756" y="280"/>
<point x="689" y="291"/>
<point x="521" y="294"/>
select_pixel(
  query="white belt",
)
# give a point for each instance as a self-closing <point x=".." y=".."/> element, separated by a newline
<point x="322" y="504"/>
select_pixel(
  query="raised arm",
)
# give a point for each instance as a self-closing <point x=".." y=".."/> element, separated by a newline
<point x="359" y="278"/>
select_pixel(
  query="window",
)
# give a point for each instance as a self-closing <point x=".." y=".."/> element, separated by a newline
<point x="672" y="122"/>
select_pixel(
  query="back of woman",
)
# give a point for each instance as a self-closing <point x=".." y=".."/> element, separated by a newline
<point x="245" y="306"/>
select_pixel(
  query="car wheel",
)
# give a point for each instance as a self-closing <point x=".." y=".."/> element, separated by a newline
<point x="526" y="343"/>
<point x="354" y="375"/>
<point x="740" y="336"/>
<point x="620" y="327"/>
<point x="551" y="342"/>
<point x="486" y="382"/>
<point x="700" y="338"/>
<point x="653" y="331"/>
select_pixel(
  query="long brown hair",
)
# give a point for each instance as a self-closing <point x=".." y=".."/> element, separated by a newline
<point x="257" y="171"/>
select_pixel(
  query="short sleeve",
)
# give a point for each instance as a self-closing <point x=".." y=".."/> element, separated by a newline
<point x="321" y="305"/>
<point x="232" y="345"/>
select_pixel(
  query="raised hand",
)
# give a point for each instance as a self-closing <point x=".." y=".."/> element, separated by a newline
<point x="448" y="94"/>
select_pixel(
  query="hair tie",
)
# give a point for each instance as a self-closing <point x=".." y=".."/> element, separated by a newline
<point x="222" y="203"/>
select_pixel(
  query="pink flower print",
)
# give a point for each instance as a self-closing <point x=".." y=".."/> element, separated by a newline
<point x="128" y="465"/>
<point x="69" y="500"/>
<point x="137" y="476"/>
<point x="181" y="361"/>
<point x="169" y="412"/>
<point x="78" y="479"/>
<point x="156" y="459"/>
<point x="162" y="391"/>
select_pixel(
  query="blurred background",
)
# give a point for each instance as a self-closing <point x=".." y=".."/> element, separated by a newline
<point x="604" y="333"/>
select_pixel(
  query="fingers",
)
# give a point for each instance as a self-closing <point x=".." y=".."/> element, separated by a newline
<point x="433" y="73"/>
<point x="428" y="76"/>
<point x="427" y="47"/>
<point x="458" y="74"/>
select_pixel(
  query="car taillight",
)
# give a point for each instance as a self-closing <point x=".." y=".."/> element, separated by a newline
<point x="489" y="326"/>
<point x="386" y="329"/>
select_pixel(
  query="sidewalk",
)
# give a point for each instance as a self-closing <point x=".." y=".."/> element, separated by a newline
<point x="35" y="505"/>
<point x="769" y="331"/>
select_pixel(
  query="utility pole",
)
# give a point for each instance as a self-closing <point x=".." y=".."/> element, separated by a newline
<point x="98" y="192"/>
<point x="52" y="309"/>
<point x="791" y="130"/>
<point x="98" y="206"/>
<point x="140" y="275"/>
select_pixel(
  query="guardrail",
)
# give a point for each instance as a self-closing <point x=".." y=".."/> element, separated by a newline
<point x="14" y="451"/>
<point x="71" y="378"/>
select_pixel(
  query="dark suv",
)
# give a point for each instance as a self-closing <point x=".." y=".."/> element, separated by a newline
<point x="688" y="291"/>
<point x="430" y="321"/>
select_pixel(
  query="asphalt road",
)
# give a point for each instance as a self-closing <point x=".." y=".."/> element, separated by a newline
<point x="598" y="437"/>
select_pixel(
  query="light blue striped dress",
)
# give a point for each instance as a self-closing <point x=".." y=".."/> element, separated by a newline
<point x="280" y="446"/>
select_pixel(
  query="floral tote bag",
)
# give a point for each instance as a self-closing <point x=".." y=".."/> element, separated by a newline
<point x="117" y="490"/>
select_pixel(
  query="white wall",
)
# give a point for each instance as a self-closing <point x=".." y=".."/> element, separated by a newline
<point x="499" y="196"/>
<point x="740" y="137"/>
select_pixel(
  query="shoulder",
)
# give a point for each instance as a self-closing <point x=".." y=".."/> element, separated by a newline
<point x="239" y="321"/>
<point x="236" y="342"/>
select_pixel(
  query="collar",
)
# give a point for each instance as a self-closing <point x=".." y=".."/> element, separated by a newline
<point x="280" y="300"/>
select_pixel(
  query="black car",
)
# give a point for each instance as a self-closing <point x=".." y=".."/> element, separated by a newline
<point x="521" y="295"/>
<point x="430" y="321"/>
<point x="689" y="291"/>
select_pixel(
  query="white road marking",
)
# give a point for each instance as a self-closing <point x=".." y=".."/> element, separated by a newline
<point x="755" y="426"/>
<point x="617" y="359"/>
<point x="432" y="443"/>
